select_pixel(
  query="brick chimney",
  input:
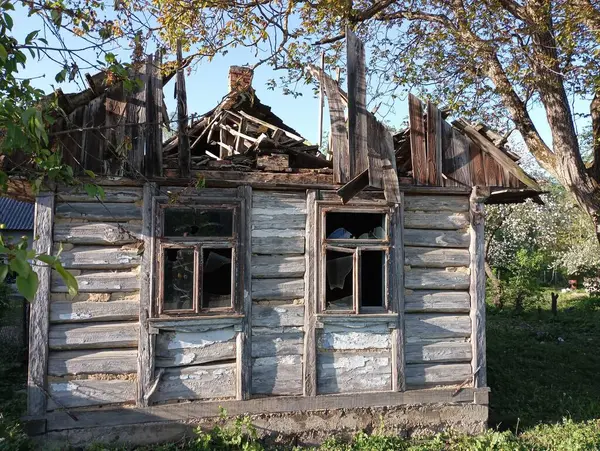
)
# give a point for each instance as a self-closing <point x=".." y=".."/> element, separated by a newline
<point x="240" y="78"/>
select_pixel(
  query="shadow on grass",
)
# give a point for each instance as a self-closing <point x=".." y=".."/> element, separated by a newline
<point x="541" y="368"/>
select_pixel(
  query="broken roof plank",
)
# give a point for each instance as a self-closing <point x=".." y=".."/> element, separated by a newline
<point x="271" y="126"/>
<point x="434" y="145"/>
<point x="457" y="164"/>
<point x="502" y="158"/>
<point x="357" y="104"/>
<point x="477" y="165"/>
<point x="417" y="140"/>
<point x="182" y="120"/>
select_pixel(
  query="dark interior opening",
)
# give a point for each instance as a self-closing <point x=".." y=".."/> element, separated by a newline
<point x="339" y="281"/>
<point x="354" y="225"/>
<point x="216" y="278"/>
<point x="372" y="278"/>
<point x="178" y="273"/>
<point x="191" y="222"/>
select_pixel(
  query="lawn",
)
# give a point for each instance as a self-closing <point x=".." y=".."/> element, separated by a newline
<point x="543" y="371"/>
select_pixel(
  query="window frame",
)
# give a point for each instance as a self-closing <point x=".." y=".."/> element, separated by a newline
<point x="198" y="244"/>
<point x="355" y="247"/>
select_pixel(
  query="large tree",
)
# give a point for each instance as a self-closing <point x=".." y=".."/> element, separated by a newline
<point x="487" y="59"/>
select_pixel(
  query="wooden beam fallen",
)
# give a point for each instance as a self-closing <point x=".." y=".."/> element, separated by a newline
<point x="354" y="186"/>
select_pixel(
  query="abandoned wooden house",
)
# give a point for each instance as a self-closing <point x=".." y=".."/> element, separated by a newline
<point x="233" y="265"/>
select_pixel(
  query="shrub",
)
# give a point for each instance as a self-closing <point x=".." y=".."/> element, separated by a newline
<point x="592" y="285"/>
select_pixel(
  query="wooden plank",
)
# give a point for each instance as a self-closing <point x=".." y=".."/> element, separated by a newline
<point x="58" y="421"/>
<point x="433" y="220"/>
<point x="277" y="289"/>
<point x="112" y="194"/>
<point x="433" y="375"/>
<point x="245" y="289"/>
<point x="503" y="159"/>
<point x="434" y="145"/>
<point x="436" y="258"/>
<point x="100" y="257"/>
<point x="455" y="204"/>
<point x="154" y="99"/>
<point x="66" y="312"/>
<point x="348" y="373"/>
<point x="99" y="282"/>
<point x="277" y="316"/>
<point x="94" y="141"/>
<point x="396" y="268"/>
<point x="277" y="233"/>
<point x="105" y="211"/>
<point x="477" y="288"/>
<point x="437" y="279"/>
<point x="437" y="301"/>
<point x="38" y="319"/>
<point x="332" y="338"/>
<point x="280" y="375"/>
<point x="63" y="363"/>
<point x="276" y="344"/>
<point x="97" y="232"/>
<point x="193" y="348"/>
<point x="477" y="165"/>
<point x="357" y="104"/>
<point x="309" y="371"/>
<point x="375" y="135"/>
<point x="276" y="221"/>
<point x="93" y="336"/>
<point x="436" y="238"/>
<point x="278" y="245"/>
<point x="183" y="144"/>
<point x="457" y="161"/>
<point x="391" y="183"/>
<point x="278" y="266"/>
<point x="438" y="352"/>
<point x="136" y="114"/>
<point x="436" y="326"/>
<point x="338" y="130"/>
<point x="277" y="203"/>
<point x="197" y="382"/>
<point x="492" y="171"/>
<point x="85" y="393"/>
<point x="417" y="140"/>
<point x="133" y="296"/>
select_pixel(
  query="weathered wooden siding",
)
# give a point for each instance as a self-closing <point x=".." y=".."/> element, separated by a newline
<point x="278" y="267"/>
<point x="436" y="283"/>
<point x="94" y="334"/>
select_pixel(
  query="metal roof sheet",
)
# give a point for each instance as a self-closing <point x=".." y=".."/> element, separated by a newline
<point x="16" y="215"/>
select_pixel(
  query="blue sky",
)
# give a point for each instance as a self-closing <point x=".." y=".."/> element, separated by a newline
<point x="207" y="84"/>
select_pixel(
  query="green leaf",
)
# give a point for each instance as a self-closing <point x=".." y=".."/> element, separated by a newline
<point x="61" y="76"/>
<point x="8" y="21"/>
<point x="20" y="266"/>
<point x="90" y="173"/>
<point x="68" y="278"/>
<point x="48" y="259"/>
<point x="3" y="53"/>
<point x="3" y="272"/>
<point x="27" y="286"/>
<point x="31" y="36"/>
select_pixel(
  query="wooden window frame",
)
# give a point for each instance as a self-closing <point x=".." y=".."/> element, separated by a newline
<point x="198" y="244"/>
<point x="355" y="247"/>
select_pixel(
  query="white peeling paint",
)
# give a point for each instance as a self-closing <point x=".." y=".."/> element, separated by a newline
<point x="277" y="233"/>
<point x="65" y="316"/>
<point x="182" y="340"/>
<point x="354" y="340"/>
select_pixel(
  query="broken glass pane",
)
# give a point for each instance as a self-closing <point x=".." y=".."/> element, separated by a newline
<point x="216" y="278"/>
<point x="339" y="281"/>
<point x="191" y="222"/>
<point x="354" y="225"/>
<point x="178" y="268"/>
<point x="372" y="278"/>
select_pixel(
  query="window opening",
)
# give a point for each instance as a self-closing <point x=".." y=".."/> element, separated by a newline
<point x="216" y="278"/>
<point x="178" y="279"/>
<point x="339" y="286"/>
<point x="198" y="222"/>
<point x="347" y="225"/>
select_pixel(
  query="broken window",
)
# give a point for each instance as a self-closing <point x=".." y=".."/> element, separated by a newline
<point x="355" y="246"/>
<point x="197" y="252"/>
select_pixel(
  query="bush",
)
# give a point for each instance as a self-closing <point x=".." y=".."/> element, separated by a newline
<point x="592" y="285"/>
<point x="521" y="286"/>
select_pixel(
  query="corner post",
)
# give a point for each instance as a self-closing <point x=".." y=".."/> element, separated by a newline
<point x="396" y="270"/>
<point x="39" y="322"/>
<point x="244" y="338"/>
<point x="310" y="297"/>
<point x="477" y="287"/>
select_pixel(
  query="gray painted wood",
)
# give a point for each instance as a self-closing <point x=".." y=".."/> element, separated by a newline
<point x="278" y="266"/>
<point x="100" y="257"/>
<point x="437" y="301"/>
<point x="436" y="326"/>
<point x="113" y="361"/>
<point x="437" y="279"/>
<point x="97" y="233"/>
<point x="193" y="348"/>
<point x="436" y="238"/>
<point x="275" y="221"/>
<point x="85" y="393"/>
<point x="436" y="221"/>
<point x="439" y="203"/>
<point x="90" y="282"/>
<point x="111" y="194"/>
<point x="347" y="373"/>
<point x="278" y="203"/>
<point x="66" y="312"/>
<point x="309" y="371"/>
<point x="244" y="339"/>
<point x="280" y="375"/>
<point x="418" y="149"/>
<point x="93" y="336"/>
<point x="438" y="352"/>
<point x="184" y="192"/>
<point x="277" y="289"/>
<point x="97" y="211"/>
<point x="457" y="160"/>
<point x="339" y="131"/>
<point x="276" y="316"/>
<point x="354" y="339"/>
<point x="398" y="296"/>
<point x="271" y="345"/>
<point x="436" y="258"/>
<point x="278" y="245"/>
<point x="477" y="289"/>
<point x="38" y="320"/>
<point x="421" y="375"/>
<point x="197" y="382"/>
